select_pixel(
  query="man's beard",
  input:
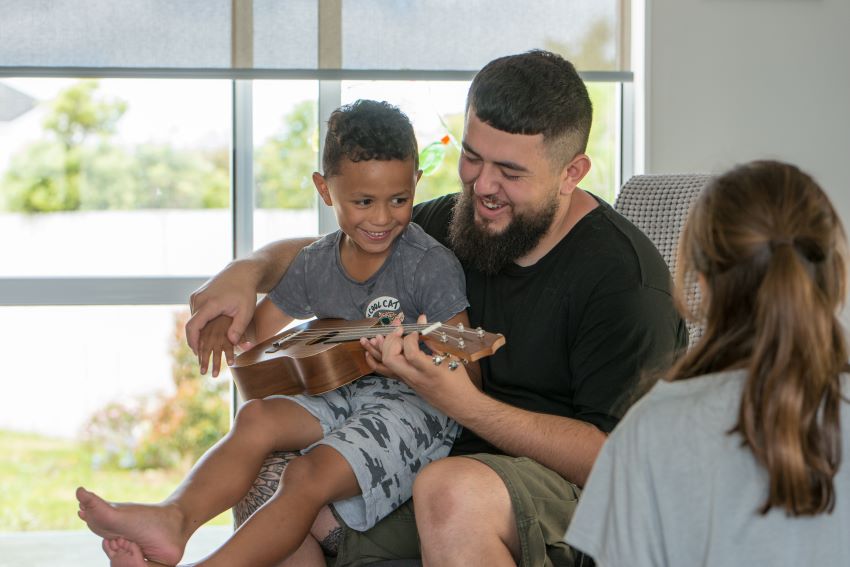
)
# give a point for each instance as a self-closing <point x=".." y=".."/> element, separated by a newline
<point x="488" y="252"/>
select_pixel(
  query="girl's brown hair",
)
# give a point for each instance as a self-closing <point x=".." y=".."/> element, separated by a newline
<point x="771" y="252"/>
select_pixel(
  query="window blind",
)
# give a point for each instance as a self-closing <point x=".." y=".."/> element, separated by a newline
<point x="383" y="35"/>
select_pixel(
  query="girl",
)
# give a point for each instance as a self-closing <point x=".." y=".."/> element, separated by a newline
<point x="735" y="458"/>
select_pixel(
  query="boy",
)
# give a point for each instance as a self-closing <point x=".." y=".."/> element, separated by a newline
<point x="362" y="443"/>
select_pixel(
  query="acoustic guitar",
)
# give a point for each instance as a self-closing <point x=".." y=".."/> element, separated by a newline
<point x="324" y="354"/>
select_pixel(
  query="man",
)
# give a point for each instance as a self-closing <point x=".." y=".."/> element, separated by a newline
<point x="581" y="295"/>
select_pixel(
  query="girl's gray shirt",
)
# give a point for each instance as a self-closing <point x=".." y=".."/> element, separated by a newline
<point x="671" y="487"/>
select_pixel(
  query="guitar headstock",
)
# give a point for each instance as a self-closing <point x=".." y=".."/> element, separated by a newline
<point x="461" y="342"/>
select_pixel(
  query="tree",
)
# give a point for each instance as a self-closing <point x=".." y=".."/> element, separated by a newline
<point x="165" y="430"/>
<point x="286" y="161"/>
<point x="75" y="116"/>
<point x="78" y="166"/>
<point x="188" y="423"/>
<point x="593" y="52"/>
<point x="442" y="179"/>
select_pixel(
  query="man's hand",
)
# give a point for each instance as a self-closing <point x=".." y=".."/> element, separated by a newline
<point x="446" y="389"/>
<point x="225" y="294"/>
<point x="233" y="291"/>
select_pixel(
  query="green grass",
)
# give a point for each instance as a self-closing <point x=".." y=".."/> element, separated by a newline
<point x="40" y="474"/>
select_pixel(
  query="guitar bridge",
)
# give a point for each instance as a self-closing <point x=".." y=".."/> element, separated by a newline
<point x="281" y="343"/>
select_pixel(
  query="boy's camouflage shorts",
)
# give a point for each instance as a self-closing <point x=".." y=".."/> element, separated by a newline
<point x="387" y="434"/>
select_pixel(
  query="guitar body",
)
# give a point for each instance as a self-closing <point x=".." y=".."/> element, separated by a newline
<point x="305" y="361"/>
<point x="324" y="354"/>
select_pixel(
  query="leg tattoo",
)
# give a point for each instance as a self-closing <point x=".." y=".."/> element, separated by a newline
<point x="330" y="543"/>
<point x="264" y="486"/>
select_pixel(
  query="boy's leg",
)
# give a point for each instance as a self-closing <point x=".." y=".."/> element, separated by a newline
<point x="279" y="527"/>
<point x="216" y="482"/>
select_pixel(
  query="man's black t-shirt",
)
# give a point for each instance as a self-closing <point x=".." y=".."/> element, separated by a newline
<point x="581" y="325"/>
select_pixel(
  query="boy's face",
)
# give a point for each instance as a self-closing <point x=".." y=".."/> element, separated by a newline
<point x="372" y="200"/>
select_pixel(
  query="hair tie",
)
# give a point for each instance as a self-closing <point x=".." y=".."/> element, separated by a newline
<point x="777" y="242"/>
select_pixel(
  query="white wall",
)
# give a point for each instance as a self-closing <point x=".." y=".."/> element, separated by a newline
<point x="732" y="80"/>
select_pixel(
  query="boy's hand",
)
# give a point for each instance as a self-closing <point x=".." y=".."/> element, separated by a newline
<point x="374" y="358"/>
<point x="214" y="341"/>
<point x="375" y="345"/>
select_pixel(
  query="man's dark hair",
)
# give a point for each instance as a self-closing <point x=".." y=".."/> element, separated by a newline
<point x="537" y="92"/>
<point x="365" y="130"/>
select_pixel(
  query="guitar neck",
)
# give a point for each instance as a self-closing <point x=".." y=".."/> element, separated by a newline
<point x="356" y="333"/>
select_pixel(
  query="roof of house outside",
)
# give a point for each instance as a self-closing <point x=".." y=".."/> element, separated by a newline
<point x="13" y="103"/>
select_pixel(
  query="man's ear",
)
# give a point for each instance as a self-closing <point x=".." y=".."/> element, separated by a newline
<point x="322" y="187"/>
<point x="573" y="173"/>
<point x="418" y="175"/>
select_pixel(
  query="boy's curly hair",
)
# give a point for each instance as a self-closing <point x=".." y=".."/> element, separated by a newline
<point x="366" y="130"/>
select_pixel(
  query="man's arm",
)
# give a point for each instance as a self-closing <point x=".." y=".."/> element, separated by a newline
<point x="233" y="291"/>
<point x="622" y="335"/>
<point x="567" y="446"/>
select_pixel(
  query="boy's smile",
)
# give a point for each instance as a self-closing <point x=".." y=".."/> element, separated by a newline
<point x="373" y="200"/>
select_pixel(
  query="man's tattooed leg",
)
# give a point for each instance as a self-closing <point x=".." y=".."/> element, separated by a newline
<point x="264" y="486"/>
<point x="330" y="543"/>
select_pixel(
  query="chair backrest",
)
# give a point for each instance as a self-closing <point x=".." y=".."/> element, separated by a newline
<point x="659" y="205"/>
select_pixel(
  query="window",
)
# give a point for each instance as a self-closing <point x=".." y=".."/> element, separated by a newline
<point x="137" y="158"/>
<point x="116" y="177"/>
<point x="285" y="155"/>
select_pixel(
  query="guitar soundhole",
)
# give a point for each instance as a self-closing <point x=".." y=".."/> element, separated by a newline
<point x="329" y="337"/>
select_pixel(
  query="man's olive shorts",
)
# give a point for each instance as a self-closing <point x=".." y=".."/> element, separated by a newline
<point x="543" y="503"/>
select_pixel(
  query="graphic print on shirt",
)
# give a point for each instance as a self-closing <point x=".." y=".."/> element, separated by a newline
<point x="385" y="308"/>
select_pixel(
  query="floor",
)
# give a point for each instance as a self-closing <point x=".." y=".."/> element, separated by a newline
<point x="82" y="548"/>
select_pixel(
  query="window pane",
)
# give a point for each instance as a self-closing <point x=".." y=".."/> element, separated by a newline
<point x="436" y="110"/>
<point x="108" y="397"/>
<point x="466" y="34"/>
<point x="103" y="33"/>
<point x="603" y="146"/>
<point x="286" y="153"/>
<point x="373" y="34"/>
<point x="115" y="177"/>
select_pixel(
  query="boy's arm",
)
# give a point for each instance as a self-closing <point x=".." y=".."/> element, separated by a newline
<point x="268" y="320"/>
<point x="233" y="291"/>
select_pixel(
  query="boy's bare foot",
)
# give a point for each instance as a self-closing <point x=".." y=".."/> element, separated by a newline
<point x="123" y="553"/>
<point x="156" y="530"/>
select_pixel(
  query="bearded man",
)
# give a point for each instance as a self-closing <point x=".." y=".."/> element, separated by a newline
<point x="581" y="295"/>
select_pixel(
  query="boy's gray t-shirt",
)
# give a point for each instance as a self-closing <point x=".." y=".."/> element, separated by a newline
<point x="671" y="487"/>
<point x="420" y="276"/>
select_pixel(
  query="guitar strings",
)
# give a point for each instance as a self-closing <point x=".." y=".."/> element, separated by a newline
<point x="356" y="332"/>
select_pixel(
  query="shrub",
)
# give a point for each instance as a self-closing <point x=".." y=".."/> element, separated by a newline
<point x="163" y="430"/>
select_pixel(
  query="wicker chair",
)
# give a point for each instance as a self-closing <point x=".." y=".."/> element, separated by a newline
<point x="659" y="205"/>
